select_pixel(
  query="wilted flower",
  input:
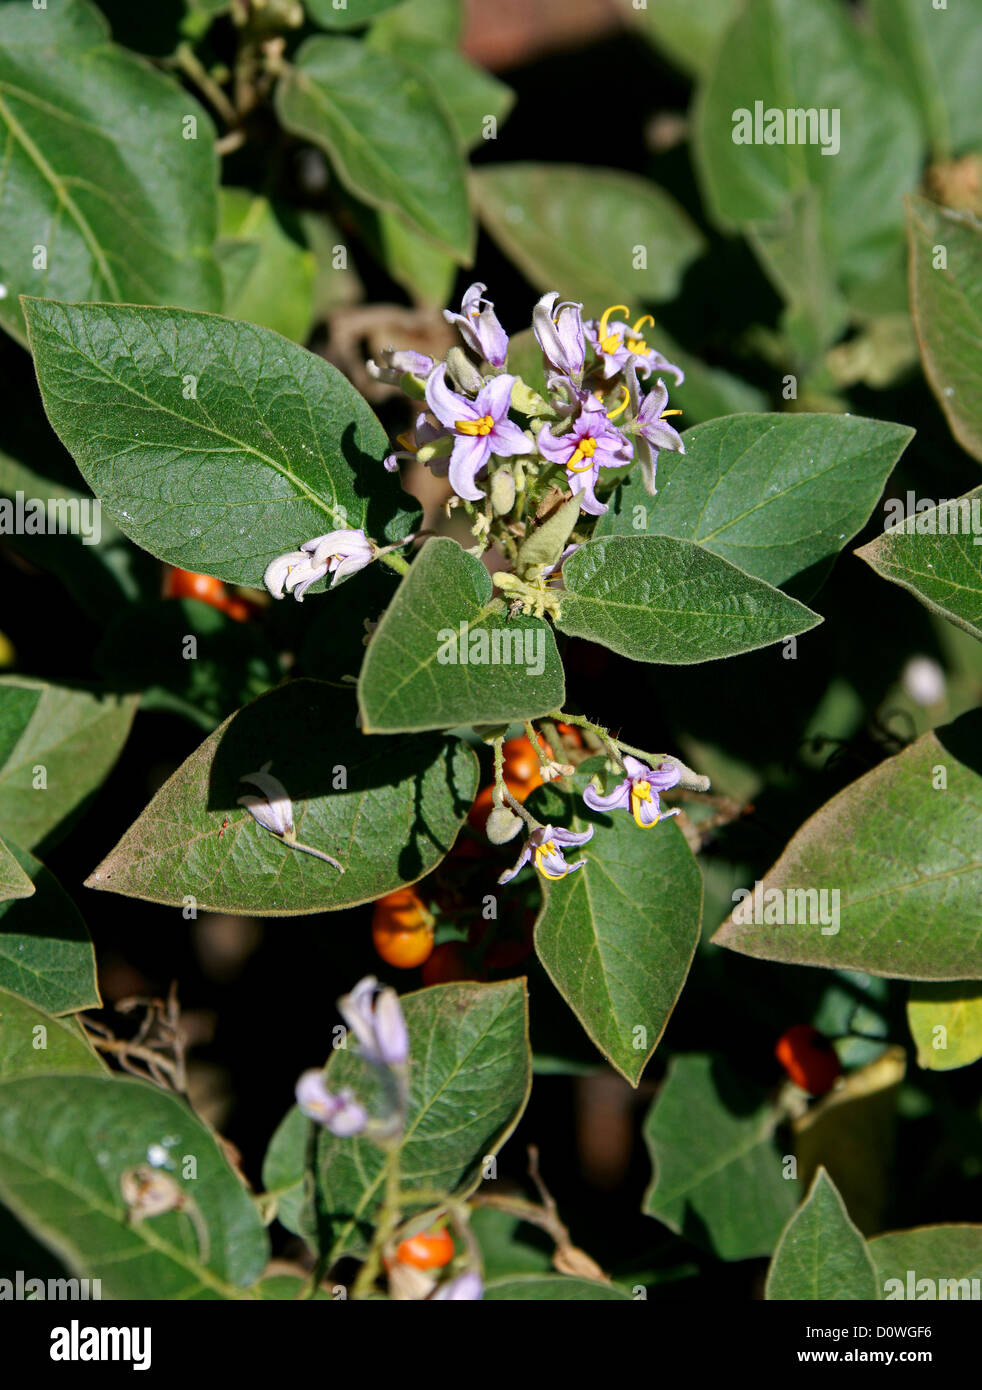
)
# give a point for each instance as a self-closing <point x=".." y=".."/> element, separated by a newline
<point x="341" y="553"/>
<point x="653" y="433"/>
<point x="340" y="1113"/>
<point x="466" y="1287"/>
<point x="377" y="1023"/>
<point x="544" y="845"/>
<point x="616" y="343"/>
<point x="481" y="427"/>
<point x="399" y="364"/>
<point x="590" y="444"/>
<point x="559" y="330"/>
<point x="479" y="326"/>
<point x="274" y="809"/>
<point x="638" y="792"/>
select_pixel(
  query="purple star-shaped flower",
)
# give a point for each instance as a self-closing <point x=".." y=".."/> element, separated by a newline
<point x="590" y="444"/>
<point x="638" y="792"/>
<point x="616" y="343"/>
<point x="653" y="433"/>
<point x="481" y="427"/>
<point x="339" y="1113"/>
<point x="479" y="326"/>
<point x="377" y="1023"/>
<point x="545" y="846"/>
<point x="559" y="331"/>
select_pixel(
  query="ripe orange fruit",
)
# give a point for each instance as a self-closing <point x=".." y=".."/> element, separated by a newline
<point x="402" y="929"/>
<point x="808" y="1058"/>
<point x="522" y="762"/>
<point x="186" y="584"/>
<point x="428" y="1250"/>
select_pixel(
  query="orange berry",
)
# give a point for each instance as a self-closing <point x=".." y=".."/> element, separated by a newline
<point x="180" y="583"/>
<point x="808" y="1058"/>
<point x="571" y="734"/>
<point x="522" y="761"/>
<point x="402" y="929"/>
<point x="238" y="610"/>
<point x="428" y="1250"/>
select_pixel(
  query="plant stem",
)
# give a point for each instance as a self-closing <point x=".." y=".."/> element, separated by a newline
<point x="388" y="1220"/>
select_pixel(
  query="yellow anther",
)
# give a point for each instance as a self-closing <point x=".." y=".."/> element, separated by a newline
<point x="640" y="793"/>
<point x="541" y="850"/>
<point x="407" y="441"/>
<point x="645" y="318"/>
<point x="584" y="450"/>
<point x="620" y="409"/>
<point x="609" y="342"/>
<point x="669" y="412"/>
<point x="482" y="426"/>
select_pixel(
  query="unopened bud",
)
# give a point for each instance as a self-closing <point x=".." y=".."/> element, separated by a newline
<point x="502" y="491"/>
<point x="463" y="371"/>
<point x="502" y="825"/>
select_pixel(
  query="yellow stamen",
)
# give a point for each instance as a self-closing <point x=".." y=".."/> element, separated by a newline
<point x="645" y="318"/>
<point x="619" y="409"/>
<point x="407" y="441"/>
<point x="609" y="342"/>
<point x="541" y="850"/>
<point x="483" y="426"/>
<point x="669" y="412"/>
<point x="640" y="793"/>
<point x="584" y="450"/>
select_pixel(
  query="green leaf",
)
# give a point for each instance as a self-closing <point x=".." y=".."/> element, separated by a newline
<point x="269" y="274"/>
<point x="391" y="143"/>
<point x="215" y="445"/>
<point x="33" y="1043"/>
<point x="821" y="1255"/>
<point x="810" y="57"/>
<point x="346" y="14"/>
<point x="412" y="678"/>
<point x="903" y="854"/>
<point x="773" y="494"/>
<point x="553" y="1288"/>
<point x="140" y="228"/>
<point x="947" y="306"/>
<point x="285" y="1168"/>
<point x="936" y="555"/>
<point x="470" y="1072"/>
<point x="292" y="1287"/>
<point x="14" y="883"/>
<point x="687" y="33"/>
<point x="469" y="94"/>
<point x="938" y="53"/>
<point x="65" y="1143"/>
<point x="717" y="1169"/>
<point x="387" y="809"/>
<point x="654" y="598"/>
<point x="46" y="954"/>
<point x="438" y="21"/>
<point x="945" y="1255"/>
<point x="551" y="218"/>
<point x="424" y="269"/>
<point x="57" y="746"/>
<point x="946" y="1024"/>
<point x="617" y="937"/>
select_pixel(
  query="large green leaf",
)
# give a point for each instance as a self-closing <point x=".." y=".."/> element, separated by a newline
<point x="413" y="677"/>
<point x="215" y="445"/>
<point x="936" y="555"/>
<point x="65" y="1143"/>
<point x="938" y="51"/>
<point x="46" y="954"/>
<point x="469" y="94"/>
<point x="655" y="598"/>
<point x="14" y="883"/>
<point x="946" y="301"/>
<point x="346" y="14"/>
<point x="99" y="177"/>
<point x="470" y="1072"/>
<point x="821" y="1255"/>
<point x="285" y="1169"/>
<point x="902" y="852"/>
<point x="945" y="1255"/>
<point x="687" y="32"/>
<point x="718" y="1171"/>
<point x="617" y="937"/>
<point x="390" y="140"/>
<point x="553" y="1288"/>
<point x="773" y="494"/>
<point x="550" y="220"/>
<point x="57" y="745"/>
<point x="269" y="274"/>
<point x="387" y="809"/>
<point x="808" y="55"/>
<point x="946" y="1023"/>
<point x="33" y="1042"/>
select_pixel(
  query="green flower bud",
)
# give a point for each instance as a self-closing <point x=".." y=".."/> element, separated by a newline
<point x="502" y="491"/>
<point x="502" y="825"/>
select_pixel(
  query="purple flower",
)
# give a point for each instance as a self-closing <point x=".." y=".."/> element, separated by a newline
<point x="424" y="434"/>
<point x="638" y="792"/>
<point x="652" y="431"/>
<point x="274" y="809"/>
<point x="400" y="363"/>
<point x="466" y="1287"/>
<point x="340" y="553"/>
<point x="479" y="326"/>
<point x="617" y="343"/>
<point x="591" y="444"/>
<point x="340" y="1113"/>
<point x="377" y="1023"/>
<point x="559" y="330"/>
<point x="481" y="427"/>
<point x="545" y="845"/>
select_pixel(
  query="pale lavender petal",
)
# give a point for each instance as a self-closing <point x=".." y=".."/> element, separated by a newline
<point x="618" y="799"/>
<point x="391" y="1033"/>
<point x="470" y="454"/>
<point x="494" y="398"/>
<point x="445" y="404"/>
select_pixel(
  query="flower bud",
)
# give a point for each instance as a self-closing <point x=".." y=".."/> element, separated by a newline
<point x="502" y="825"/>
<point x="463" y="371"/>
<point x="502" y="491"/>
